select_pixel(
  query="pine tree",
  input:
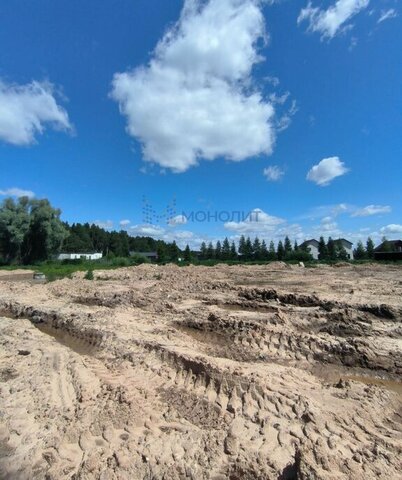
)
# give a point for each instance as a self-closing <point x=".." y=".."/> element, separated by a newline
<point x="187" y="254"/>
<point x="218" y="250"/>
<point x="287" y="245"/>
<point x="322" y="249"/>
<point x="174" y="251"/>
<point x="331" y="249"/>
<point x="272" y="251"/>
<point x="257" y="249"/>
<point x="161" y="252"/>
<point x="263" y="251"/>
<point x="248" y="253"/>
<point x="359" y="252"/>
<point x="280" y="251"/>
<point x="233" y="253"/>
<point x="210" y="251"/>
<point x="342" y="254"/>
<point x="203" y="251"/>
<point x="296" y="246"/>
<point x="370" y="248"/>
<point x="242" y="246"/>
<point x="226" y="249"/>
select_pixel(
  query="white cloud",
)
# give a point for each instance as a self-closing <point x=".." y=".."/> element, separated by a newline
<point x="107" y="224"/>
<point x="333" y="20"/>
<point x="387" y="14"/>
<point x="177" y="220"/>
<point x="273" y="173"/>
<point x="124" y="223"/>
<point x="181" y="237"/>
<point x="392" y="228"/>
<point x="26" y="110"/>
<point x="272" y="80"/>
<point x="17" y="192"/>
<point x="327" y="228"/>
<point x="257" y="222"/>
<point x="286" y="119"/>
<point x="328" y="169"/>
<point x="195" y="99"/>
<point x="371" y="210"/>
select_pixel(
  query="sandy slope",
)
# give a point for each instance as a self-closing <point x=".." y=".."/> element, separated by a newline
<point x="203" y="373"/>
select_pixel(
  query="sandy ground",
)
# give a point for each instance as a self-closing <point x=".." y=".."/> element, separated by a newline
<point x="246" y="372"/>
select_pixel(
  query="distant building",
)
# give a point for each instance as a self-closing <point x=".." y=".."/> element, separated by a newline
<point x="78" y="256"/>
<point x="389" y="250"/>
<point x="149" y="255"/>
<point x="348" y="246"/>
<point x="312" y="247"/>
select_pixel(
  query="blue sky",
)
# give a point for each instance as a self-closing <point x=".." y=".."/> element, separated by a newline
<point x="291" y="109"/>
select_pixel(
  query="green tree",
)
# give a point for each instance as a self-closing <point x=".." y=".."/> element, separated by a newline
<point x="161" y="252"/>
<point x="226" y="249"/>
<point x="263" y="251"/>
<point x="14" y="227"/>
<point x="174" y="251"/>
<point x="46" y="232"/>
<point x="187" y="254"/>
<point x="287" y="246"/>
<point x="233" y="252"/>
<point x="203" y="251"/>
<point x="295" y="246"/>
<point x="331" y="249"/>
<point x="242" y="246"/>
<point x="271" y="251"/>
<point x="359" y="252"/>
<point x="370" y="248"/>
<point x="322" y="249"/>
<point x="257" y="249"/>
<point x="218" y="250"/>
<point x="248" y="249"/>
<point x="280" y="251"/>
<point x="342" y="254"/>
<point x="210" y="251"/>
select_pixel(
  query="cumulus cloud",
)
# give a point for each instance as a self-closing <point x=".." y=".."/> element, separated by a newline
<point x="26" y="110"/>
<point x="334" y="19"/>
<point x="181" y="237"/>
<point x="387" y="15"/>
<point x="124" y="223"/>
<point x="257" y="222"/>
<point x="328" y="169"/>
<point x="371" y="210"/>
<point x="177" y="220"/>
<point x="391" y="229"/>
<point x="195" y="99"/>
<point x="327" y="227"/>
<point x="16" y="192"/>
<point x="273" y="173"/>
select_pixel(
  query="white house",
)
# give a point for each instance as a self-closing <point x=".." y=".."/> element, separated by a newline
<point x="77" y="256"/>
<point x="312" y="247"/>
<point x="348" y="246"/>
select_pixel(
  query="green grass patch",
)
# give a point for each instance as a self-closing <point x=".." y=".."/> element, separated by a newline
<point x="55" y="269"/>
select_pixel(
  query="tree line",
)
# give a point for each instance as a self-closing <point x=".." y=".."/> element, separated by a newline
<point x="31" y="231"/>
<point x="254" y="250"/>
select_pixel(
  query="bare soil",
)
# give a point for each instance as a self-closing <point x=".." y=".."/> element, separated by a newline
<point x="243" y="372"/>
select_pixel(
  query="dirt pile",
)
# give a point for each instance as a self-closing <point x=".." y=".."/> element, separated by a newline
<point x="203" y="373"/>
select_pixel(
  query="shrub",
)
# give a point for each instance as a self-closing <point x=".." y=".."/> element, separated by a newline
<point x="89" y="275"/>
